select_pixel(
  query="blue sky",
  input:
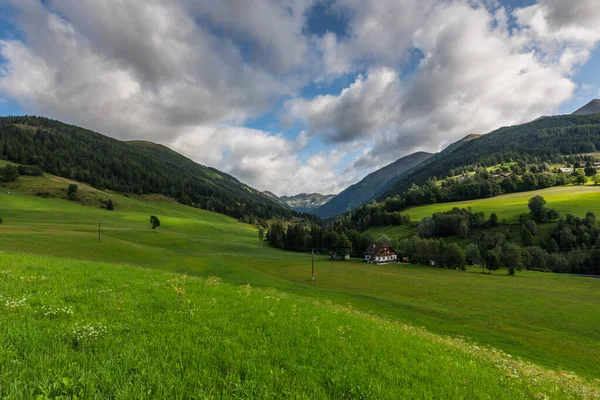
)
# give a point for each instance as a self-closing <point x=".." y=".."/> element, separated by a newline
<point x="301" y="96"/>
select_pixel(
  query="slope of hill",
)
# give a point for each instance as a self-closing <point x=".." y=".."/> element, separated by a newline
<point x="136" y="167"/>
<point x="593" y="107"/>
<point x="275" y="198"/>
<point x="368" y="188"/>
<point x="307" y="202"/>
<point x="542" y="138"/>
<point x="73" y="329"/>
<point x="203" y="244"/>
<point x="462" y="141"/>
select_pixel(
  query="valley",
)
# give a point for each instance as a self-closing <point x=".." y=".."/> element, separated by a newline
<point x="517" y="315"/>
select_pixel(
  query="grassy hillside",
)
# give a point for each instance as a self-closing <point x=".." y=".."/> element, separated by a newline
<point x="370" y="187"/>
<point x="517" y="314"/>
<point x="136" y="167"/>
<point x="72" y="329"/>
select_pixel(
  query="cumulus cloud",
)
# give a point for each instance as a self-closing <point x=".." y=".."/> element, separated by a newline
<point x="190" y="74"/>
<point x="269" y="162"/>
<point x="476" y="74"/>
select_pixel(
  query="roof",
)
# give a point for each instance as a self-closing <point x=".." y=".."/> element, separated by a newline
<point x="375" y="247"/>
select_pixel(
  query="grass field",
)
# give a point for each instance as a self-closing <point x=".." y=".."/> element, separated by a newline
<point x="545" y="318"/>
<point x="73" y="329"/>
<point x="575" y="200"/>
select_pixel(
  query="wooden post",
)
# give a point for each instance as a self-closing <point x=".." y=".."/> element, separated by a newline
<point x="313" y="264"/>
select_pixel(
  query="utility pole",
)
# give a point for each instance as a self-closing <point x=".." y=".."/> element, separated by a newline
<point x="99" y="226"/>
<point x="313" y="264"/>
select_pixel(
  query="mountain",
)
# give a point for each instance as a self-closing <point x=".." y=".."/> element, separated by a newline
<point x="462" y="141"/>
<point x="535" y="141"/>
<point x="135" y="167"/>
<point x="593" y="107"/>
<point x="368" y="188"/>
<point x="307" y="202"/>
<point x="274" y="197"/>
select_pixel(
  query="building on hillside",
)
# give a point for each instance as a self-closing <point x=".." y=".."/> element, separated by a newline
<point x="340" y="256"/>
<point x="566" y="170"/>
<point x="380" y="253"/>
<point x="597" y="165"/>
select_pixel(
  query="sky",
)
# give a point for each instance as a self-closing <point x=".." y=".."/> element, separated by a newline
<point x="297" y="96"/>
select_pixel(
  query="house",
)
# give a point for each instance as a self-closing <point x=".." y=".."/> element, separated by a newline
<point x="379" y="253"/>
<point x="566" y="170"/>
<point x="597" y="165"/>
<point x="340" y="256"/>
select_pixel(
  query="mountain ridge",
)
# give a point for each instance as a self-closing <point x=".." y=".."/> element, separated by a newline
<point x="368" y="188"/>
<point x="593" y="107"/>
<point x="307" y="202"/>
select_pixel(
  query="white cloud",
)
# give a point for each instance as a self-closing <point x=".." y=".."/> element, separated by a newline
<point x="476" y="75"/>
<point x="262" y="160"/>
<point x="191" y="73"/>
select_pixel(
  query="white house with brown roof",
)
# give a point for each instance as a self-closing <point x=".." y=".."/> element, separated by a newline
<point x="380" y="253"/>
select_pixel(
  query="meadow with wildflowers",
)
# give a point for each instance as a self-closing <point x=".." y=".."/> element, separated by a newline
<point x="162" y="312"/>
<point x="128" y="332"/>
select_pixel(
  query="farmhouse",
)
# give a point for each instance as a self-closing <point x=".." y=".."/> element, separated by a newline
<point x="378" y="253"/>
<point x="566" y="170"/>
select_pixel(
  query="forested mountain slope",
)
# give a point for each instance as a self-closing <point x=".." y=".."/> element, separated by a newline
<point x="541" y="139"/>
<point x="368" y="188"/>
<point x="136" y="167"/>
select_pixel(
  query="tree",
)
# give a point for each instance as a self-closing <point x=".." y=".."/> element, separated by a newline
<point x="261" y="236"/>
<point x="589" y="171"/>
<point x="493" y="219"/>
<point x="1" y="221"/>
<point x="537" y="205"/>
<point x="526" y="237"/>
<point x="154" y="221"/>
<point x="579" y="177"/>
<point x="72" y="191"/>
<point x="552" y="246"/>
<point x="472" y="253"/>
<point x="110" y="205"/>
<point x="596" y="179"/>
<point x="384" y="239"/>
<point x="455" y="257"/>
<point x="512" y="257"/>
<point x="531" y="227"/>
<point x="491" y="260"/>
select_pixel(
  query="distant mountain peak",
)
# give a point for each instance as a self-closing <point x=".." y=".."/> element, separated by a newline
<point x="307" y="202"/>
<point x="593" y="107"/>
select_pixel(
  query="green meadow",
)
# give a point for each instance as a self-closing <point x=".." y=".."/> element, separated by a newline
<point x="236" y="347"/>
<point x="78" y="329"/>
<point x="575" y="200"/>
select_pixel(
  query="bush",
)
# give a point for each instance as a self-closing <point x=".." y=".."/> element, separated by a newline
<point x="72" y="192"/>
<point x="154" y="221"/>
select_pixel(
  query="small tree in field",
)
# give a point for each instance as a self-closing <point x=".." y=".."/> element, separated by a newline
<point x="536" y="205"/>
<point x="596" y="179"/>
<point x="72" y="192"/>
<point x="154" y="221"/>
<point x="110" y="205"/>
<point x="1" y="221"/>
<point x="492" y="262"/>
<point x="455" y="257"/>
